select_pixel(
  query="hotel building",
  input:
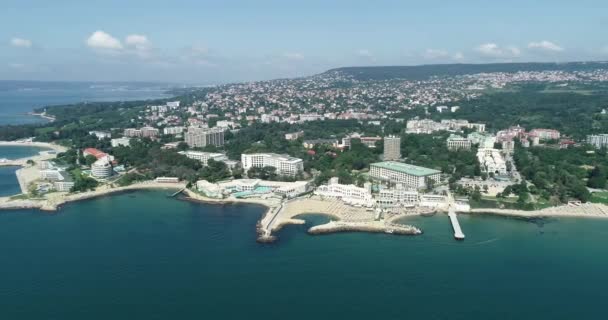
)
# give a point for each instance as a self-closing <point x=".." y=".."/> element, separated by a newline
<point x="456" y="142"/>
<point x="285" y="165"/>
<point x="204" y="156"/>
<point x="598" y="140"/>
<point x="392" y="148"/>
<point x="201" y="137"/>
<point x="411" y="176"/>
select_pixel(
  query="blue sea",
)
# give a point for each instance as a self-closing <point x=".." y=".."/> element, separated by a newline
<point x="143" y="255"/>
<point x="17" y="98"/>
<point x="8" y="180"/>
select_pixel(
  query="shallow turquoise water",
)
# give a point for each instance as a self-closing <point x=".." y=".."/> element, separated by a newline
<point x="17" y="152"/>
<point x="8" y="181"/>
<point x="144" y="256"/>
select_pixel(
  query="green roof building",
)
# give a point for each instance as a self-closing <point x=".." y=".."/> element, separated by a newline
<point x="409" y="175"/>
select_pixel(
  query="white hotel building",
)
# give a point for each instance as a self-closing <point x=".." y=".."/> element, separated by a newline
<point x="349" y="193"/>
<point x="285" y="165"/>
<point x="204" y="156"/>
<point x="456" y="142"/>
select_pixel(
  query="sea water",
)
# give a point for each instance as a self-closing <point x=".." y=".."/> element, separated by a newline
<point x="142" y="255"/>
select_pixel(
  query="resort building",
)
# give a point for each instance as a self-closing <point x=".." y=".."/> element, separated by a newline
<point x="204" y="156"/>
<point x="125" y="142"/>
<point x="51" y="174"/>
<point x="392" y="148"/>
<point x="248" y="188"/>
<point x="146" y="132"/>
<point x="202" y="137"/>
<point x="100" y="134"/>
<point x="102" y="168"/>
<point x="370" y="142"/>
<point x="598" y="140"/>
<point x="167" y="180"/>
<point x="545" y="134"/>
<point x="411" y="176"/>
<point x="428" y="126"/>
<point x="132" y="133"/>
<point x="432" y="200"/>
<point x="285" y="165"/>
<point x="309" y="144"/>
<point x="64" y="184"/>
<point x="483" y="140"/>
<point x="456" y="142"/>
<point x="173" y="130"/>
<point x="294" y="135"/>
<point x="397" y="197"/>
<point x="348" y="193"/>
<point x="149" y="132"/>
<point x="96" y="153"/>
<point x="491" y="161"/>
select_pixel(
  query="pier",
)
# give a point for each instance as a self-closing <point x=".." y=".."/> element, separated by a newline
<point x="176" y="193"/>
<point x="458" y="235"/>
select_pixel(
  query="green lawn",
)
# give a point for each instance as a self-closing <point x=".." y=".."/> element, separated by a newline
<point x="600" y="197"/>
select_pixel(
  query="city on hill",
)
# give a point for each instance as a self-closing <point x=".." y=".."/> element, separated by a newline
<point x="511" y="136"/>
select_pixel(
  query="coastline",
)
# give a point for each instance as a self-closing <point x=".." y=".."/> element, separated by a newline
<point x="24" y="143"/>
<point x="42" y="115"/>
<point x="53" y="201"/>
<point x="585" y="210"/>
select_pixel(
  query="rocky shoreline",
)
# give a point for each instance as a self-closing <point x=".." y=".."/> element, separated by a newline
<point x="371" y="227"/>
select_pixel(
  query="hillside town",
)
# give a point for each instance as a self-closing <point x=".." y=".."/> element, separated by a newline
<point x="373" y="145"/>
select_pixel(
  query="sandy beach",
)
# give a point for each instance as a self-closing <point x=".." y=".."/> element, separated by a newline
<point x="52" y="146"/>
<point x="344" y="218"/>
<point x="585" y="210"/>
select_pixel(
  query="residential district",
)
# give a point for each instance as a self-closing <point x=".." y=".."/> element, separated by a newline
<point x="371" y="197"/>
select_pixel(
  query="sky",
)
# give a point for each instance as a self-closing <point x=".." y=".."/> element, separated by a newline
<point x="209" y="42"/>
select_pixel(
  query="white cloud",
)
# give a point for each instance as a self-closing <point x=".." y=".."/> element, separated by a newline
<point x="458" y="56"/>
<point x="492" y="50"/>
<point x="138" y="41"/>
<point x="16" y="65"/>
<point x="21" y="43"/>
<point x="545" y="46"/>
<point x="293" y="56"/>
<point x="102" y="40"/>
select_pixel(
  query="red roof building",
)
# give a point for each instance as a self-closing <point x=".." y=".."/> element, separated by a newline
<point x="94" y="152"/>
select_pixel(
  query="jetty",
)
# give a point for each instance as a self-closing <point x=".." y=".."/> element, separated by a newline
<point x="458" y="234"/>
<point x="177" y="192"/>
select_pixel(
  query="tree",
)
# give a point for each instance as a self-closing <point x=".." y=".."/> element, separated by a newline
<point x="89" y="160"/>
<point x="597" y="178"/>
<point x="84" y="184"/>
<point x="476" y="195"/>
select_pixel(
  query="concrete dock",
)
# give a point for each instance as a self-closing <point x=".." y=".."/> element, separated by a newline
<point x="458" y="235"/>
